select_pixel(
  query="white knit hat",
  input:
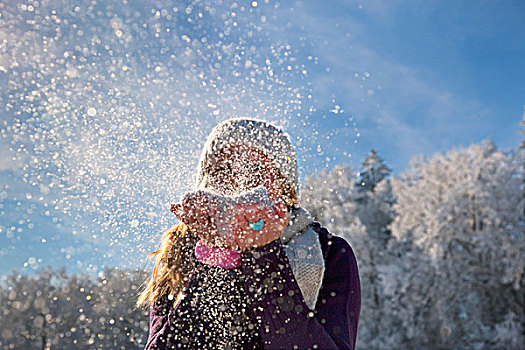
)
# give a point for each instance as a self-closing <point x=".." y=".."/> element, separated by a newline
<point x="269" y="139"/>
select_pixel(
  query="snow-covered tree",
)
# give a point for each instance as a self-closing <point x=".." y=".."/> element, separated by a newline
<point x="335" y="199"/>
<point x="373" y="171"/>
<point x="53" y="310"/>
<point x="464" y="210"/>
<point x="450" y="272"/>
<point x="522" y="146"/>
<point x="326" y="193"/>
<point x="373" y="197"/>
<point x="362" y="219"/>
<point x="405" y="282"/>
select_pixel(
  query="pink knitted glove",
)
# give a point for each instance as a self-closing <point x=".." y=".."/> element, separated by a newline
<point x="225" y="222"/>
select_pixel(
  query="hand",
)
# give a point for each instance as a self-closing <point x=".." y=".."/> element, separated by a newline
<point x="197" y="211"/>
<point x="224" y="222"/>
<point x="276" y="219"/>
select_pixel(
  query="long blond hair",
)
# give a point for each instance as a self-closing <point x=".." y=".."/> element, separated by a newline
<point x="172" y="260"/>
<point x="172" y="265"/>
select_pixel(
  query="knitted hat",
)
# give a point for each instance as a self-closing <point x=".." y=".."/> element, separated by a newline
<point x="269" y="139"/>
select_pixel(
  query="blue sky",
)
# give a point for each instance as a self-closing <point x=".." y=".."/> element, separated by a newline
<point x="403" y="77"/>
<point x="450" y="73"/>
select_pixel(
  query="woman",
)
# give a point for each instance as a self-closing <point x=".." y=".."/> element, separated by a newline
<point x="281" y="281"/>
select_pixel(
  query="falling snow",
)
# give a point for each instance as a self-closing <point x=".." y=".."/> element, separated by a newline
<point x="106" y="104"/>
<point x="105" y="108"/>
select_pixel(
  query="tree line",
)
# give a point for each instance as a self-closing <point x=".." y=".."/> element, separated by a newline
<point x="441" y="248"/>
<point x="55" y="310"/>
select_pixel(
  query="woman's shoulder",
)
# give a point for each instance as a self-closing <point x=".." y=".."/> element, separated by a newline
<point x="160" y="306"/>
<point x="334" y="247"/>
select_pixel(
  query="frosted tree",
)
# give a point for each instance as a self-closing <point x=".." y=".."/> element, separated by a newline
<point x="374" y="197"/>
<point x="373" y="171"/>
<point x="117" y="320"/>
<point x="55" y="310"/>
<point x="406" y="282"/>
<point x="374" y="210"/>
<point x="522" y="146"/>
<point x="464" y="210"/>
<point x="30" y="307"/>
<point x="334" y="199"/>
<point x="327" y="192"/>
<point x="361" y="217"/>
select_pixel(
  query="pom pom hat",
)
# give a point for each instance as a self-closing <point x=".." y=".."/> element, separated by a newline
<point x="261" y="135"/>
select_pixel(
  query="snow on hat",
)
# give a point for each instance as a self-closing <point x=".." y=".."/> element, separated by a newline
<point x="272" y="141"/>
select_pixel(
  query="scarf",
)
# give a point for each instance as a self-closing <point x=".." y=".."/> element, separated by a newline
<point x="303" y="249"/>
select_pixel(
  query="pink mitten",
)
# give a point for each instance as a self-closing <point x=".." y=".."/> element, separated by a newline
<point x="242" y="221"/>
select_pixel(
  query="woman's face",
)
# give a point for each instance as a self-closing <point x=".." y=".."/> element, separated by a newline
<point x="237" y="169"/>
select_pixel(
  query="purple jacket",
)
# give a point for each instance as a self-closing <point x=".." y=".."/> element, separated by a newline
<point x="285" y="321"/>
